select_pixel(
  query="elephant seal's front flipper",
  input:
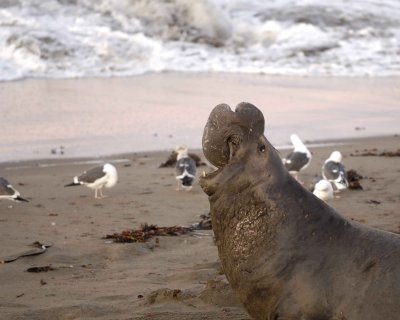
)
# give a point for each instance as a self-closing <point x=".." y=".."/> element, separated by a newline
<point x="285" y="252"/>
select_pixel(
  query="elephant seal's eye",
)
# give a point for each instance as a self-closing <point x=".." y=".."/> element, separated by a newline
<point x="261" y="148"/>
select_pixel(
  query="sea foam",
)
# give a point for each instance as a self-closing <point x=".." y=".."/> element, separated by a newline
<point x="102" y="38"/>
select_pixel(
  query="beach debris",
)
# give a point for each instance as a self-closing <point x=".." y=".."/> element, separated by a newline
<point x="147" y="232"/>
<point x="43" y="282"/>
<point x="354" y="180"/>
<point x="171" y="161"/>
<point x="20" y="295"/>
<point x="40" y="269"/>
<point x="204" y="223"/>
<point x="39" y="249"/>
<point x="375" y="153"/>
<point x="371" y="201"/>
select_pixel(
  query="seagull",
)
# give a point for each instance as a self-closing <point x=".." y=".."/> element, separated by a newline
<point x="8" y="192"/>
<point x="185" y="169"/>
<point x="97" y="178"/>
<point x="323" y="190"/>
<point x="298" y="159"/>
<point x="334" y="171"/>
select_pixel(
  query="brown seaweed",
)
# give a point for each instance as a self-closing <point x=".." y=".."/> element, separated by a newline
<point x="147" y="232"/>
<point x="40" y="269"/>
<point x="374" y="153"/>
<point x="372" y="201"/>
<point x="354" y="180"/>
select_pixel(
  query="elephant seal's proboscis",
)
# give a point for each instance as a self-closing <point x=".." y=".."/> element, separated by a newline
<point x="286" y="253"/>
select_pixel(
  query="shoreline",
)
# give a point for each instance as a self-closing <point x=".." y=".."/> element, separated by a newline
<point x="207" y="73"/>
<point x="59" y="160"/>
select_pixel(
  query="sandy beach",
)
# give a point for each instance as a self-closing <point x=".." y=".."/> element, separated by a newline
<point x="84" y="83"/>
<point x="169" y="278"/>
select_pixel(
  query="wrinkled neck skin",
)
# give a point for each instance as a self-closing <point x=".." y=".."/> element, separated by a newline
<point x="274" y="238"/>
<point x="244" y="220"/>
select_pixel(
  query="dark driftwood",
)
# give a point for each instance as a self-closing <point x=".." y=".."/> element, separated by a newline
<point x="39" y="248"/>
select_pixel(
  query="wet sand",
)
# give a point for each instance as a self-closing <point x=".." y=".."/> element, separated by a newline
<point x="176" y="278"/>
<point x="97" y="116"/>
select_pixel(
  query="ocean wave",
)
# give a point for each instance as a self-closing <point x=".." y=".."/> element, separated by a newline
<point x="81" y="38"/>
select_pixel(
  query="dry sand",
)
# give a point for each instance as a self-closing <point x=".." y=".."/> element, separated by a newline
<point x="178" y="278"/>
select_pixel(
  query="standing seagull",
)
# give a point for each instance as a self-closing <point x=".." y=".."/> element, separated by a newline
<point x="334" y="171"/>
<point x="298" y="159"/>
<point x="97" y="178"/>
<point x="185" y="169"/>
<point x="8" y="192"/>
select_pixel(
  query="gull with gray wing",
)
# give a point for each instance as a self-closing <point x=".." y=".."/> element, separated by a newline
<point x="8" y="192"/>
<point x="185" y="169"/>
<point x="334" y="171"/>
<point x="299" y="158"/>
<point x="97" y="178"/>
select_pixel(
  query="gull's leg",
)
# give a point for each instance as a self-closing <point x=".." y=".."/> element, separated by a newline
<point x="178" y="188"/>
<point x="95" y="194"/>
<point x="101" y="193"/>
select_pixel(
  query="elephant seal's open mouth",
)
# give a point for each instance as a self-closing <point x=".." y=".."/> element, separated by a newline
<point x="208" y="181"/>
<point x="224" y="132"/>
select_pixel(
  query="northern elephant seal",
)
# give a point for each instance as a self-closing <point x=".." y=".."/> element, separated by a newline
<point x="284" y="251"/>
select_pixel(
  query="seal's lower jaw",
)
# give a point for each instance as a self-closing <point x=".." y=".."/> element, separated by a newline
<point x="208" y="182"/>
